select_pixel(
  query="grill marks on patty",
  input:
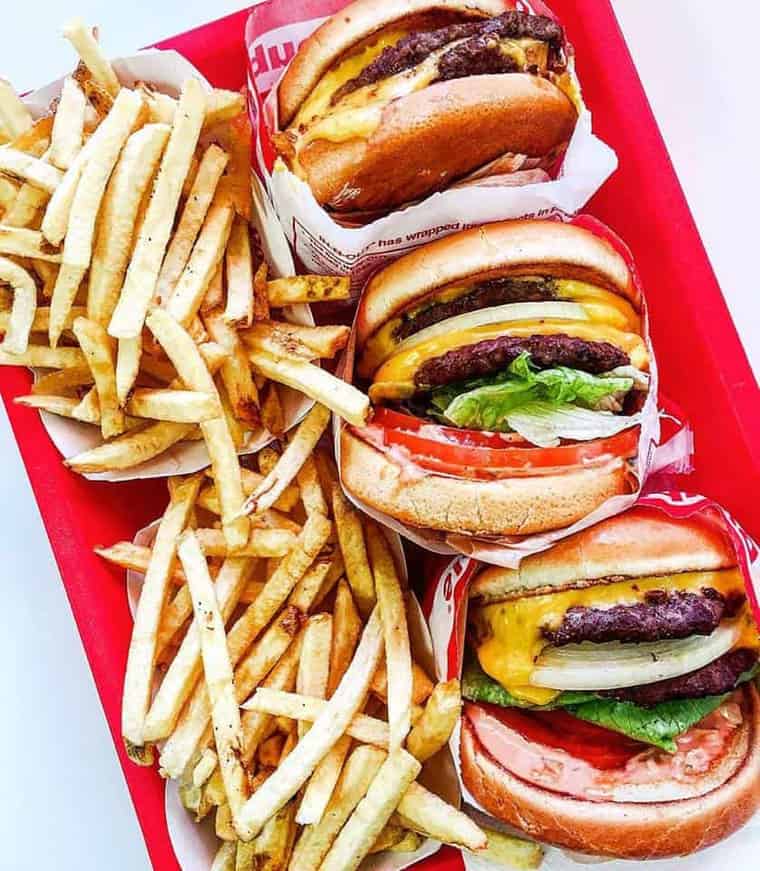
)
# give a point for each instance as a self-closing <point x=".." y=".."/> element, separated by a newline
<point x="492" y="355"/>
<point x="718" y="677"/>
<point x="662" y="615"/>
<point x="479" y="54"/>
<point x="494" y="291"/>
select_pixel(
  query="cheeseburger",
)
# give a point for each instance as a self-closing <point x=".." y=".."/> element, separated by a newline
<point x="507" y="369"/>
<point x="611" y="703"/>
<point x="389" y="101"/>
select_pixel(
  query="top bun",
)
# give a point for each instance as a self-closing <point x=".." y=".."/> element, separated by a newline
<point x="525" y="247"/>
<point x="638" y="543"/>
<point x="353" y="24"/>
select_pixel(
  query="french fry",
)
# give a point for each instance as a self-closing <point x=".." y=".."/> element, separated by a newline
<point x="213" y="298"/>
<point x="390" y="599"/>
<point x="321" y="785"/>
<point x="213" y="355"/>
<point x="244" y="858"/>
<point x="185" y="668"/>
<point x="22" y="242"/>
<point x="21" y="320"/>
<point x="348" y="627"/>
<point x="23" y="211"/>
<point x="98" y="350"/>
<point x="68" y="125"/>
<point x="251" y="480"/>
<point x="142" y="650"/>
<point x="311" y="490"/>
<point x="260" y="543"/>
<point x="191" y="220"/>
<point x="182" y="406"/>
<point x="324" y="733"/>
<point x="425" y="812"/>
<point x="188" y="362"/>
<point x="235" y="370"/>
<point x="314" y="666"/>
<point x="260" y="295"/>
<point x="42" y="357"/>
<point x="63" y="406"/>
<point x="8" y="193"/>
<point x="224" y="860"/>
<point x="207" y="253"/>
<point x="433" y="730"/>
<point x="348" y="525"/>
<point x="507" y="851"/>
<point x="307" y="289"/>
<point x="126" y="189"/>
<point x="294" y="340"/>
<point x="99" y="100"/>
<point x="372" y="813"/>
<point x="315" y="841"/>
<point x="217" y="669"/>
<point x="21" y="165"/>
<point x="272" y="848"/>
<point x="80" y="233"/>
<point x="410" y="843"/>
<point x="391" y="835"/>
<point x="128" y="360"/>
<point x="223" y="106"/>
<point x="422" y="686"/>
<point x="42" y="318"/>
<point x="61" y="382"/>
<point x="142" y="273"/>
<point x="130" y="449"/>
<point x="300" y="446"/>
<point x="269" y="751"/>
<point x="239" y="270"/>
<point x="272" y="414"/>
<point x="205" y="767"/>
<point x="88" y="409"/>
<point x="15" y="117"/>
<point x="344" y="399"/>
<point x="86" y="46"/>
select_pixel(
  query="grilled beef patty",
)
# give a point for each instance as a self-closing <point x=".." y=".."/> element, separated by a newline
<point x="479" y="54"/>
<point x="485" y="294"/>
<point x="493" y="355"/>
<point x="714" y="679"/>
<point x="662" y="615"/>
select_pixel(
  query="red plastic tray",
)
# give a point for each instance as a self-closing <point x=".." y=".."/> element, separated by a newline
<point x="703" y="367"/>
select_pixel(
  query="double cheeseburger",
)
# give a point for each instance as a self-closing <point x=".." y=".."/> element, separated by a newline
<point x="389" y="101"/>
<point x="611" y="703"/>
<point x="507" y="370"/>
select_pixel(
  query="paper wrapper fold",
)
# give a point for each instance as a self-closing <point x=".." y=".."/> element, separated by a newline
<point x="445" y="608"/>
<point x="195" y="845"/>
<point x="273" y="34"/>
<point x="166" y="71"/>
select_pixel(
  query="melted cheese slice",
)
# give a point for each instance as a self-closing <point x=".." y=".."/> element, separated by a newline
<point x="395" y="378"/>
<point x="510" y="632"/>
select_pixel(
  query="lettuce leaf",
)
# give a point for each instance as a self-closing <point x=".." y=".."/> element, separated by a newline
<point x="489" y="403"/>
<point x="544" y="424"/>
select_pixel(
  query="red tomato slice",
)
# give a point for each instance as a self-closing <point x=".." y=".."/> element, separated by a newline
<point x="594" y="744"/>
<point x="447" y="434"/>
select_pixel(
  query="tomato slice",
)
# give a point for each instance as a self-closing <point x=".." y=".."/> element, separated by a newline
<point x="447" y="434"/>
<point x="594" y="744"/>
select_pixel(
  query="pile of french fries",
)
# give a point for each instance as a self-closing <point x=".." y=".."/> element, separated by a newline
<point x="130" y="275"/>
<point x="278" y="681"/>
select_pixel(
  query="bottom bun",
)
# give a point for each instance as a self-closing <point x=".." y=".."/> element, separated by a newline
<point x="655" y="830"/>
<point x="510" y="506"/>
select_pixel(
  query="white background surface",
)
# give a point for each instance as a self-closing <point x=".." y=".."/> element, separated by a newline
<point x="64" y="802"/>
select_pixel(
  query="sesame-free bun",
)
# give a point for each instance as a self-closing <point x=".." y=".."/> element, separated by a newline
<point x="641" y="542"/>
<point x="723" y="803"/>
<point x="511" y="506"/>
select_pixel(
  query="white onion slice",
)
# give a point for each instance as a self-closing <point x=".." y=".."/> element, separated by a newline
<point x="589" y="666"/>
<point x="498" y="314"/>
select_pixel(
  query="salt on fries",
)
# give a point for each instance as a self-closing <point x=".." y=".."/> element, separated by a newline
<point x="124" y="207"/>
<point x="273" y="704"/>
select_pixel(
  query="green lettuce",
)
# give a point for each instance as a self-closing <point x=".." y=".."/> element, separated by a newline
<point x="489" y="403"/>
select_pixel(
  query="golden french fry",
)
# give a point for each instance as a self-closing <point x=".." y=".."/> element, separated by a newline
<point x="223" y="106"/>
<point x="21" y="165"/>
<point x="142" y="650"/>
<point x="99" y="100"/>
<point x="260" y="543"/>
<point x="321" y="785"/>
<point x="130" y="449"/>
<point x="15" y="117"/>
<point x="269" y="751"/>
<point x="213" y="298"/>
<point x="307" y="288"/>
<point x="251" y="480"/>
<point x="213" y="355"/>
<point x="425" y="812"/>
<point x="308" y="343"/>
<point x="348" y="525"/>
<point x="391" y="835"/>
<point x="16" y="339"/>
<point x="239" y="270"/>
<point x="63" y="406"/>
<point x="42" y="357"/>
<point x="129" y="356"/>
<point x="97" y="346"/>
<point x="260" y="295"/>
<point x="272" y="848"/>
<point x="182" y="406"/>
<point x="224" y="860"/>
<point x="22" y="242"/>
<point x="62" y="382"/>
<point x="68" y="125"/>
<point x="311" y="490"/>
<point x="422" y="686"/>
<point x="88" y="409"/>
<point x="507" y="851"/>
<point x="86" y="46"/>
<point x="126" y="189"/>
<point x="314" y="666"/>
<point x="433" y="729"/>
<point x="300" y="446"/>
<point x="344" y="399"/>
<point x="272" y="412"/>
<point x="142" y="273"/>
<point x="235" y="371"/>
<point x="244" y="858"/>
<point x="347" y="629"/>
<point x="8" y="193"/>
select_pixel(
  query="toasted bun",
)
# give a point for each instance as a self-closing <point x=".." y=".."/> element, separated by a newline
<point x="639" y="543"/>
<point x="627" y="830"/>
<point x="506" y="248"/>
<point x="432" y="137"/>
<point x="352" y="25"/>
<point x="514" y="506"/>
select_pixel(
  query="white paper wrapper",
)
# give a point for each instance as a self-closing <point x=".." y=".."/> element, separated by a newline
<point x="446" y="613"/>
<point x="326" y="247"/>
<point x="166" y="70"/>
<point x="195" y="845"/>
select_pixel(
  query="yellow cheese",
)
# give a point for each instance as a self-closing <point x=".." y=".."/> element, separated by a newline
<point x="509" y="633"/>
<point x="395" y="378"/>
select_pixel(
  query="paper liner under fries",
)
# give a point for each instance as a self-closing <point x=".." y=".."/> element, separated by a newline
<point x="166" y="70"/>
<point x="672" y="455"/>
<point x="273" y="34"/>
<point x="195" y="845"/>
<point x="445" y="609"/>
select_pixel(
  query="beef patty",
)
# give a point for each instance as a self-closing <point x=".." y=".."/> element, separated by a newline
<point x="478" y="54"/>
<point x="662" y="615"/>
<point x="493" y="355"/>
<point x="714" y="679"/>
